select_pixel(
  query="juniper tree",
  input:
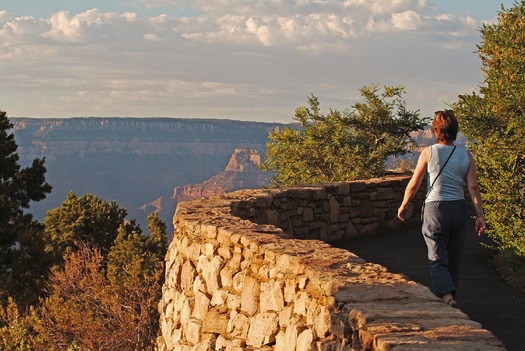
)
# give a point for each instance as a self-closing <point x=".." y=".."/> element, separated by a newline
<point x="19" y="273"/>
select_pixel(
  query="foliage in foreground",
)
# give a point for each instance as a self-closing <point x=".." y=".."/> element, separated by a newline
<point x="96" y="302"/>
<point x="493" y="120"/>
<point x="511" y="267"/>
<point x="342" y="146"/>
<point x="20" y="254"/>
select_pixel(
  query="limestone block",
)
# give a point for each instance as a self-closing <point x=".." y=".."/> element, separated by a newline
<point x="287" y="340"/>
<point x="290" y="289"/>
<point x="182" y="244"/>
<point x="224" y="236"/>
<point x="323" y="322"/>
<point x="238" y="325"/>
<point x="167" y="309"/>
<point x="301" y="302"/>
<point x="173" y="273"/>
<point x="334" y="210"/>
<point x="304" y="341"/>
<point x="188" y="275"/>
<point x="199" y="285"/>
<point x="337" y="327"/>
<point x="272" y="298"/>
<point x="312" y="311"/>
<point x="209" y="249"/>
<point x="330" y="345"/>
<point x="233" y="302"/>
<point x="200" y="308"/>
<point x="192" y="331"/>
<point x="264" y="270"/>
<point x="285" y="316"/>
<point x="219" y="297"/>
<point x="245" y="241"/>
<point x="238" y="281"/>
<point x="235" y="238"/>
<point x="308" y="214"/>
<point x="210" y="271"/>
<point x="273" y="217"/>
<point x="360" y="313"/>
<point x="226" y="276"/>
<point x="223" y="344"/>
<point x="185" y="311"/>
<point x="274" y="273"/>
<point x="298" y="221"/>
<point x="161" y="344"/>
<point x="194" y="251"/>
<point x="302" y="281"/>
<point x="344" y="217"/>
<point x="224" y="252"/>
<point x="174" y="338"/>
<point x="350" y="231"/>
<point x="235" y="261"/>
<point x="216" y="321"/>
<point x="245" y="265"/>
<point x="167" y="328"/>
<point x="369" y="229"/>
<point x="343" y="189"/>
<point x="204" y="345"/>
<point x="289" y="264"/>
<point x="209" y="231"/>
<point x="250" y="296"/>
<point x="247" y="254"/>
<point x="263" y="329"/>
<point x="181" y="347"/>
<point x="383" y="194"/>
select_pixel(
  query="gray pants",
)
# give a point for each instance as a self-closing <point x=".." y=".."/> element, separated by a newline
<point x="444" y="225"/>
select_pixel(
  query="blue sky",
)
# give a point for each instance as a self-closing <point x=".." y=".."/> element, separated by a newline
<point x="237" y="59"/>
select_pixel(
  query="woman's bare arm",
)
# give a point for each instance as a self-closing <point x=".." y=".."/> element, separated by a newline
<point x="415" y="182"/>
<point x="475" y="195"/>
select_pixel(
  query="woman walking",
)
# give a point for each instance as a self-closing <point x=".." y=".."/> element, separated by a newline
<point x="445" y="212"/>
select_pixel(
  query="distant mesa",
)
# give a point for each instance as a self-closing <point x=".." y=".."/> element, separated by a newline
<point x="242" y="172"/>
<point x="155" y="205"/>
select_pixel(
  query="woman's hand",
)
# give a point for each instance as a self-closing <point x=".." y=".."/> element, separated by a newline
<point x="401" y="213"/>
<point x="480" y="225"/>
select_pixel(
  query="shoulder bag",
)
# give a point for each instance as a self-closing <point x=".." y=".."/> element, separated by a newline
<point x="432" y="185"/>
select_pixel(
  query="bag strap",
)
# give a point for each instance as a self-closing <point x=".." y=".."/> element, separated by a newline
<point x="441" y="170"/>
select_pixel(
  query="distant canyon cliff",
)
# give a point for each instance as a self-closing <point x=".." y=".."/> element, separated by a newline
<point x="137" y="162"/>
<point x="147" y="164"/>
<point x="242" y="172"/>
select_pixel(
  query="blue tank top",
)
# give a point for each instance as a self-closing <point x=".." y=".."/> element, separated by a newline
<point x="449" y="184"/>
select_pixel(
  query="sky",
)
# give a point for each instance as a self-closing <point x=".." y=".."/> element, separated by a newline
<point x="250" y="60"/>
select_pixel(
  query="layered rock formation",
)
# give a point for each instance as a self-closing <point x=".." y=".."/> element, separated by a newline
<point x="139" y="161"/>
<point x="134" y="161"/>
<point x="242" y="172"/>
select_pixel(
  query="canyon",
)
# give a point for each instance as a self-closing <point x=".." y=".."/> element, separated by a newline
<point x="149" y="164"/>
<point x="138" y="162"/>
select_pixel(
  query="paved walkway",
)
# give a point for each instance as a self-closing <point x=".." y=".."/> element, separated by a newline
<point x="482" y="294"/>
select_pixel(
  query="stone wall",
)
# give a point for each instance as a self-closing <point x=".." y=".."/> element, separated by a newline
<point x="251" y="270"/>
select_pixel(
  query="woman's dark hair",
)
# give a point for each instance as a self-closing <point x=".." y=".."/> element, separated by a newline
<point x="445" y="126"/>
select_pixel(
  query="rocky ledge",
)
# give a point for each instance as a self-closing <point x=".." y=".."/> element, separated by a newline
<point x="235" y="285"/>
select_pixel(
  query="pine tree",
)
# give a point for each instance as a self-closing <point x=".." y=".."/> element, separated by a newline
<point x="342" y="146"/>
<point x="82" y="220"/>
<point x="18" y="187"/>
<point x="492" y="120"/>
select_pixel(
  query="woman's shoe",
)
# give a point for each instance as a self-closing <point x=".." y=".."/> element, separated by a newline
<point x="448" y="299"/>
<point x="452" y="303"/>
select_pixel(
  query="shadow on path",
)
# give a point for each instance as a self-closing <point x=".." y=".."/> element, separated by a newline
<point x="482" y="294"/>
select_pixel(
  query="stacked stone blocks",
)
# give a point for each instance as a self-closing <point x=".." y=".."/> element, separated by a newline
<point x="243" y="273"/>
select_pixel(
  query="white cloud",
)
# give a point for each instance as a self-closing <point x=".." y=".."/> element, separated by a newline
<point x="232" y="56"/>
